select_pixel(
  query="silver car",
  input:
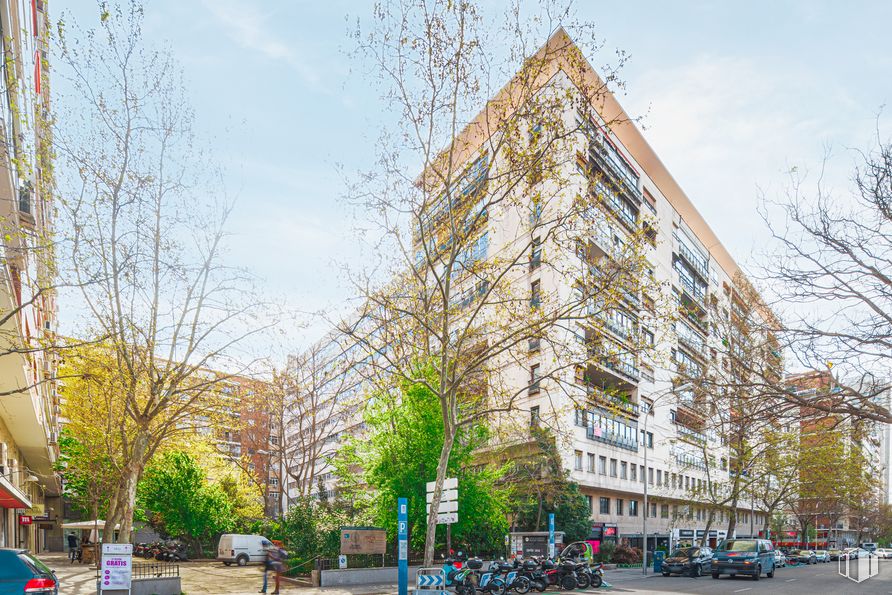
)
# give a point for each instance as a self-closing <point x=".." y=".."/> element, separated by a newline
<point x="822" y="556"/>
<point x="780" y="560"/>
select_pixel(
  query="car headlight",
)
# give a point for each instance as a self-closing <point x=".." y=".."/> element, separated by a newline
<point x="715" y="561"/>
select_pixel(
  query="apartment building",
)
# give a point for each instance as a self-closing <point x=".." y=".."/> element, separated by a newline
<point x="623" y="420"/>
<point x="29" y="406"/>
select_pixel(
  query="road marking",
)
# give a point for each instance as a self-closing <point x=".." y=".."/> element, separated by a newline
<point x="790" y="580"/>
<point x="742" y="590"/>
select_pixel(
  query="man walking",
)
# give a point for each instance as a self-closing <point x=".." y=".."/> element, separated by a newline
<point x="72" y="547"/>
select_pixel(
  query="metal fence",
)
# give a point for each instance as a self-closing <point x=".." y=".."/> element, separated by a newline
<point x="155" y="569"/>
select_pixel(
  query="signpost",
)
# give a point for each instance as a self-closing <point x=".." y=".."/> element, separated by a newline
<point x="402" y="533"/>
<point x="447" y="512"/>
<point x="116" y="567"/>
<point x="551" y="535"/>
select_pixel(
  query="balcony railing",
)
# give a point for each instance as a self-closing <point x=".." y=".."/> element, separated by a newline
<point x="689" y="434"/>
<point x="603" y="155"/>
<point x="612" y="401"/>
<point x="625" y="368"/>
<point x="608" y="437"/>
<point x="690" y="338"/>
<point x="696" y="262"/>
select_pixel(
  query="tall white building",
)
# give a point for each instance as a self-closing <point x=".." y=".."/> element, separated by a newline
<point x="630" y="408"/>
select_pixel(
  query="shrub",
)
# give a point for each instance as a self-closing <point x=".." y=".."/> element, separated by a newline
<point x="623" y="554"/>
<point x="605" y="552"/>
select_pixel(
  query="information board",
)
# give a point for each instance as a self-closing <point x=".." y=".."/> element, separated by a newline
<point x="363" y="540"/>
<point x="116" y="570"/>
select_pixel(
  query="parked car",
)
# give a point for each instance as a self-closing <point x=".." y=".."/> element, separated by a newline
<point x="834" y="554"/>
<point x="851" y="553"/>
<point x="242" y="549"/>
<point x="20" y="573"/>
<point x="780" y="559"/>
<point x="804" y="557"/>
<point x="869" y="546"/>
<point x="822" y="556"/>
<point x="692" y="561"/>
<point x="883" y="552"/>
<point x="750" y="557"/>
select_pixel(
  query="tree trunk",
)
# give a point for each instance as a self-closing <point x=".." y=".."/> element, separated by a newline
<point x="732" y="520"/>
<point x="445" y="452"/>
<point x="704" y="539"/>
<point x="127" y="502"/>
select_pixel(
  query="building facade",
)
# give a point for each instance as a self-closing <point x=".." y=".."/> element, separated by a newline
<point x="624" y="422"/>
<point x="30" y="505"/>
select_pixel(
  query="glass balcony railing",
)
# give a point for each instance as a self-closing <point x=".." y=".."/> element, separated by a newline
<point x="612" y="401"/>
<point x="697" y="263"/>
<point x="612" y="164"/>
<point x="613" y="438"/>
<point x="689" y="434"/>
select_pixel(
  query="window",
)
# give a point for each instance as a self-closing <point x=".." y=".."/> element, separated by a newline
<point x="534" y="343"/>
<point x="659" y="477"/>
<point x="664" y="511"/>
<point x="633" y="507"/>
<point x="612" y="467"/>
<point x="641" y="472"/>
<point x="534" y="379"/>
<point x="588" y="499"/>
<point x="650" y="439"/>
<point x="534" y="417"/>
<point x="648" y="338"/>
<point x="674" y="477"/>
<point x="650" y="475"/>
<point x="634" y="472"/>
<point x="602" y="465"/>
<point x="273" y="481"/>
<point x="578" y="461"/>
<point x="623" y="470"/>
<point x="619" y="506"/>
<point x="653" y="511"/>
<point x="604" y="505"/>
<point x="535" y="294"/>
<point x="686" y="484"/>
<point x="536" y="253"/>
<point x="591" y="463"/>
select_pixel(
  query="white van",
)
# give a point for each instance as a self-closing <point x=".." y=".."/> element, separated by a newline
<point x="242" y="549"/>
<point x="869" y="546"/>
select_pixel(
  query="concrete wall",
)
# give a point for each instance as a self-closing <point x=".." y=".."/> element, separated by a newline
<point x="363" y="576"/>
<point x="167" y="585"/>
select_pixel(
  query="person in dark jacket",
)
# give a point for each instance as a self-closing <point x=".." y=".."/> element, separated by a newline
<point x="72" y="547"/>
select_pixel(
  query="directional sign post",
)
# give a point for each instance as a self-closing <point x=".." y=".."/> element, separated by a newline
<point x="551" y="535"/>
<point x="430" y="581"/>
<point x="447" y="511"/>
<point x="402" y="518"/>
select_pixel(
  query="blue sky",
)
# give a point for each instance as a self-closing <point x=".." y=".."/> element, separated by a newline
<point x="732" y="94"/>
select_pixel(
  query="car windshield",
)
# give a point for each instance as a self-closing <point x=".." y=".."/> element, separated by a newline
<point x="684" y="552"/>
<point x="821" y="552"/>
<point x="737" y="545"/>
<point x="35" y="564"/>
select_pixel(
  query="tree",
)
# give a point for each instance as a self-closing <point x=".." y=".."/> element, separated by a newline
<point x="538" y="485"/>
<point x="398" y="456"/>
<point x="834" y="260"/>
<point x="175" y="496"/>
<point x="144" y="230"/>
<point x="456" y="292"/>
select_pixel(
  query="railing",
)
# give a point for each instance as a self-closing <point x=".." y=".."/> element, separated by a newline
<point x="690" y="434"/>
<point x="155" y="569"/>
<point x="695" y="261"/>
<point x="601" y="153"/>
<point x="692" y="289"/>
<point x="691" y="338"/>
<point x="613" y="401"/>
<point x="624" y="368"/>
<point x="608" y="437"/>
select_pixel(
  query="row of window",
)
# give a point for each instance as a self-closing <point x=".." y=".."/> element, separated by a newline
<point x="623" y="507"/>
<point x="634" y="472"/>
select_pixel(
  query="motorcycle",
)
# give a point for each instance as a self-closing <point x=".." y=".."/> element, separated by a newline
<point x="514" y="579"/>
<point x="469" y="579"/>
<point x="562" y="574"/>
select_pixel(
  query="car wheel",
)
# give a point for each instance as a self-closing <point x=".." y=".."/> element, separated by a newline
<point x="770" y="574"/>
<point x="242" y="560"/>
<point x="715" y="575"/>
<point x="758" y="572"/>
<point x="227" y="563"/>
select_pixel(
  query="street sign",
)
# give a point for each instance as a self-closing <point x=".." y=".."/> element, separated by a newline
<point x="445" y="496"/>
<point x="403" y="549"/>
<point x="451" y="506"/>
<point x="450" y="483"/>
<point x="551" y="535"/>
<point x="342" y="561"/>
<point x="447" y="518"/>
<point x="24" y="519"/>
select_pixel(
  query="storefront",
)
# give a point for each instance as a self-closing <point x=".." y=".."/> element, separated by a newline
<point x="12" y="502"/>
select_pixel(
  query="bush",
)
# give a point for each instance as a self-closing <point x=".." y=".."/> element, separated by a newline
<point x="605" y="552"/>
<point x="623" y="554"/>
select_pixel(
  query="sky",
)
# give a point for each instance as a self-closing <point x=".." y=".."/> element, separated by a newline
<point x="731" y="96"/>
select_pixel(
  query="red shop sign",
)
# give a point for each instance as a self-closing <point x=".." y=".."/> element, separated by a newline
<point x="24" y="519"/>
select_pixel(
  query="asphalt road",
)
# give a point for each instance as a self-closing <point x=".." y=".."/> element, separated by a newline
<point x="812" y="580"/>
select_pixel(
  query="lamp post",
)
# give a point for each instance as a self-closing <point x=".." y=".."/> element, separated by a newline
<point x="646" y="477"/>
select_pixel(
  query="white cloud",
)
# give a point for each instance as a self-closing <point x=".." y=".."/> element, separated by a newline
<point x="252" y="30"/>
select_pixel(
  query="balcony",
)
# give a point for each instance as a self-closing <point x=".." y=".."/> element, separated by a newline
<point x="695" y="293"/>
<point x="624" y="368"/>
<point x="612" y="402"/>
<point x="690" y="435"/>
<point x="696" y="262"/>
<point x="691" y="339"/>
<point x="606" y="436"/>
<point x="605" y="156"/>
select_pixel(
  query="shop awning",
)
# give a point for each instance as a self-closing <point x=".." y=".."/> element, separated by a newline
<point x="11" y="496"/>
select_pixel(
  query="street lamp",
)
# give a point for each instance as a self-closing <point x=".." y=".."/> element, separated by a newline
<point x="646" y="477"/>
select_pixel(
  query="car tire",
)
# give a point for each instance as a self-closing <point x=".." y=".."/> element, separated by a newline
<point x="715" y="575"/>
<point x="242" y="560"/>
<point x="770" y="574"/>
<point x="227" y="563"/>
<point x="757" y="573"/>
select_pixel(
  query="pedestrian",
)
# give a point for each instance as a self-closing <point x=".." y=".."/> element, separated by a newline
<point x="267" y="564"/>
<point x="278" y="562"/>
<point x="72" y="547"/>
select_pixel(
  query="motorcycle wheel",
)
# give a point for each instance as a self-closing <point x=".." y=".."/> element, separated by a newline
<point x="497" y="586"/>
<point x="522" y="585"/>
<point x="568" y="582"/>
<point x="596" y="581"/>
<point x="583" y="579"/>
<point x="538" y="585"/>
<point x="147" y="554"/>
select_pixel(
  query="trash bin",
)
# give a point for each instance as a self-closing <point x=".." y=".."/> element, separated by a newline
<point x="659" y="556"/>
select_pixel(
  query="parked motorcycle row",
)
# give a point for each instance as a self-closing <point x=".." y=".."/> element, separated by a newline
<point x="522" y="577"/>
<point x="171" y="551"/>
